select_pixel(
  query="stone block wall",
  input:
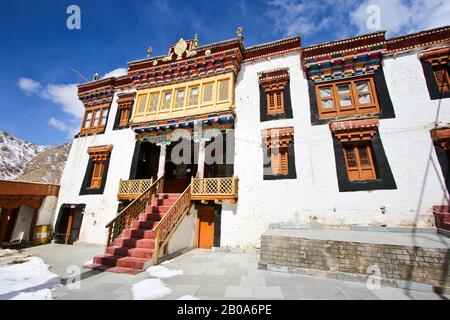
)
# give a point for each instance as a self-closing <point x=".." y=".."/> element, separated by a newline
<point x="414" y="264"/>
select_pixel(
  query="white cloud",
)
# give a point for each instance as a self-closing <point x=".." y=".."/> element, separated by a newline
<point x="65" y="95"/>
<point x="344" y="18"/>
<point x="70" y="128"/>
<point x="404" y="16"/>
<point x="116" y="73"/>
<point x="307" y="17"/>
<point x="29" y="86"/>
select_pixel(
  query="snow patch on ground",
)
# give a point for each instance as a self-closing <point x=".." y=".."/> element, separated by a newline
<point x="27" y="280"/>
<point x="163" y="272"/>
<point x="188" y="297"/>
<point x="44" y="294"/>
<point x="149" y="289"/>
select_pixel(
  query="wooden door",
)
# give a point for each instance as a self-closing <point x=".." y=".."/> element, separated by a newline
<point x="205" y="227"/>
<point x="69" y="227"/>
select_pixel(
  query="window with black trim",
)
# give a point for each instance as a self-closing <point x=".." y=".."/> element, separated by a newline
<point x="361" y="163"/>
<point x="279" y="156"/>
<point x="436" y="69"/>
<point x="97" y="170"/>
<point x="275" y="101"/>
<point x="441" y="139"/>
<point x="124" y="106"/>
<point x="362" y="95"/>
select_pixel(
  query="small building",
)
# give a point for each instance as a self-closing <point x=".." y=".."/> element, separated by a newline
<point x="23" y="206"/>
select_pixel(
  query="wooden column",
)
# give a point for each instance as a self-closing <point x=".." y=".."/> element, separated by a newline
<point x="162" y="160"/>
<point x="201" y="159"/>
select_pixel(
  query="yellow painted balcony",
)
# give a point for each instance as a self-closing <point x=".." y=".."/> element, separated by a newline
<point x="208" y="95"/>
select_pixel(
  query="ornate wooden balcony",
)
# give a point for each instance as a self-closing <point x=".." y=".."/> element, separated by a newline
<point x="216" y="189"/>
<point x="131" y="189"/>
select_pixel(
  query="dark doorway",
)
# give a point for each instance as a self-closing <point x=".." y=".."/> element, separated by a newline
<point x="8" y="218"/>
<point x="68" y="225"/>
<point x="177" y="173"/>
<point x="147" y="165"/>
<point x="222" y="165"/>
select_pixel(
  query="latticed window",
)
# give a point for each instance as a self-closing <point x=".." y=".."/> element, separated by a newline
<point x="278" y="142"/>
<point x="348" y="97"/>
<point x="279" y="160"/>
<point x="179" y="102"/>
<point x="275" y="101"/>
<point x="442" y="77"/>
<point x="193" y="96"/>
<point x="167" y="100"/>
<point x="142" y="101"/>
<point x="97" y="174"/>
<point x="274" y="83"/>
<point x="154" y="101"/>
<point x="359" y="161"/>
<point x="99" y="157"/>
<point x="208" y="92"/>
<point x="223" y="90"/>
<point x="124" y="116"/>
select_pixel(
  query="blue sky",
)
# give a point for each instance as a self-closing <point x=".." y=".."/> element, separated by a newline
<point x="37" y="87"/>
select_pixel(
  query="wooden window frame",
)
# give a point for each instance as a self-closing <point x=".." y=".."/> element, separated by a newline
<point x="99" y="156"/>
<point x="103" y="111"/>
<point x="279" y="161"/>
<point x="444" y="84"/>
<point x="279" y="146"/>
<point x="356" y="107"/>
<point x="362" y="172"/>
<point x="124" y="116"/>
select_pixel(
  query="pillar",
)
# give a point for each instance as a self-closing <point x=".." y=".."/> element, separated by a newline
<point x="201" y="158"/>
<point x="162" y="160"/>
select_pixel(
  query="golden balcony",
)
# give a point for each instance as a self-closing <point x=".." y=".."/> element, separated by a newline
<point x="217" y="189"/>
<point x="131" y="189"/>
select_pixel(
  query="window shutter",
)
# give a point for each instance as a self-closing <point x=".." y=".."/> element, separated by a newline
<point x="97" y="174"/>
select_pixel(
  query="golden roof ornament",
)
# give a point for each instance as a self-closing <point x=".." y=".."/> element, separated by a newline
<point x="149" y="52"/>
<point x="195" y="41"/>
<point x="180" y="48"/>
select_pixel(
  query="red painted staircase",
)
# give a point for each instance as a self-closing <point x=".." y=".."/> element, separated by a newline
<point x="132" y="252"/>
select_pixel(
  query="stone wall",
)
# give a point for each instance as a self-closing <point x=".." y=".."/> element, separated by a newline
<point x="414" y="264"/>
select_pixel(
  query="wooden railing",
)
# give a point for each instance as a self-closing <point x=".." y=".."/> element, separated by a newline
<point x="131" y="189"/>
<point x="170" y="222"/>
<point x="214" y="188"/>
<point x="131" y="212"/>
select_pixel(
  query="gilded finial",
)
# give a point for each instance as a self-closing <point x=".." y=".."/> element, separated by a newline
<point x="149" y="52"/>
<point x="239" y="32"/>
<point x="195" y="42"/>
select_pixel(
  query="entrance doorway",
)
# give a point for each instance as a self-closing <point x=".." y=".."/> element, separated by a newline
<point x="8" y="218"/>
<point x="177" y="176"/>
<point x="68" y="226"/>
<point x="205" y="227"/>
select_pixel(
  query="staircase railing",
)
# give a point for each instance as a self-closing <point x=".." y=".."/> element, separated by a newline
<point x="170" y="222"/>
<point x="210" y="188"/>
<point x="131" y="212"/>
<point x="131" y="189"/>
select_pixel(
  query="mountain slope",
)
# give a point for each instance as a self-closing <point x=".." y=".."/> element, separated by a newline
<point x="47" y="166"/>
<point x="26" y="161"/>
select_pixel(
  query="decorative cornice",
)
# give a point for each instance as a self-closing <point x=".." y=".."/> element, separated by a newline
<point x="100" y="149"/>
<point x="354" y="130"/>
<point x="418" y="40"/>
<point x="275" y="48"/>
<point x="278" y="137"/>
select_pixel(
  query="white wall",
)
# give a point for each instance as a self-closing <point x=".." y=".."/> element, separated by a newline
<point x="23" y="224"/>
<point x="314" y="196"/>
<point x="100" y="209"/>
<point x="185" y="235"/>
<point x="47" y="210"/>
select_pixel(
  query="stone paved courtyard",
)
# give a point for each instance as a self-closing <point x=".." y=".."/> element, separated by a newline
<point x="210" y="274"/>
